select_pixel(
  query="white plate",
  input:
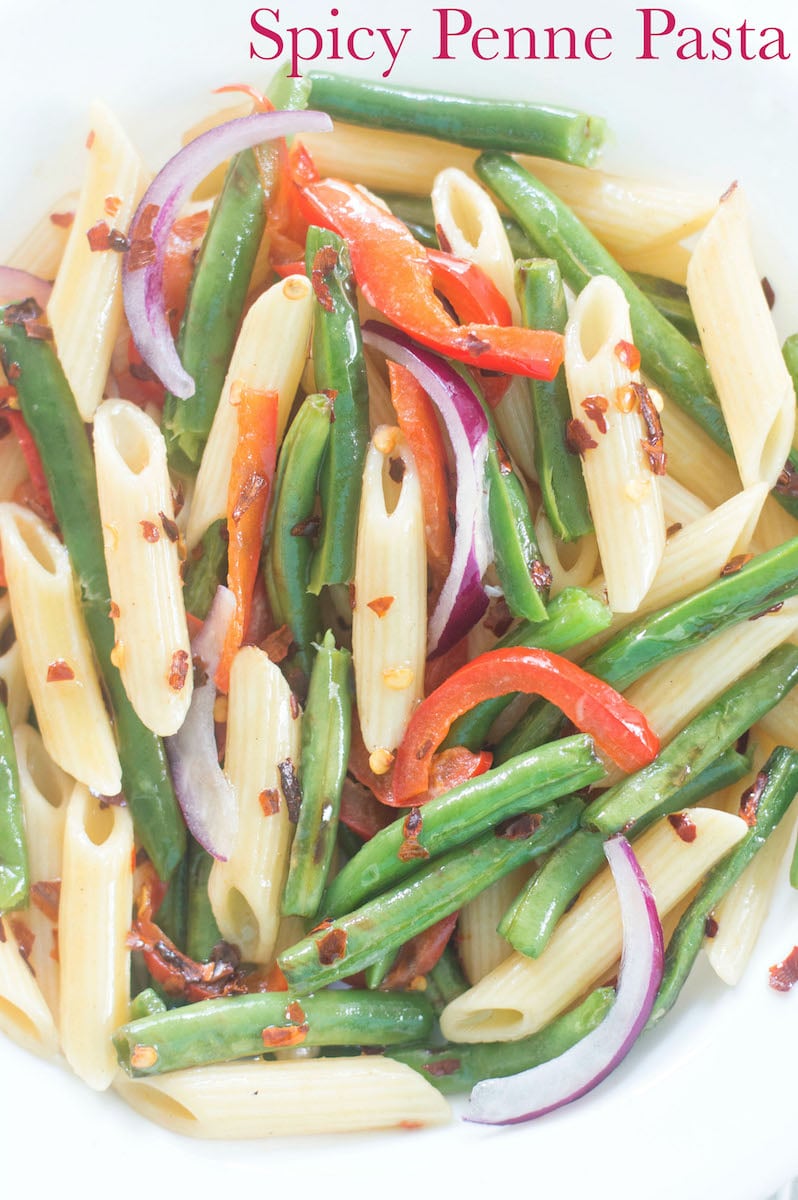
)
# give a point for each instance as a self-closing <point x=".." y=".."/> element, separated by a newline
<point x="705" y="1106"/>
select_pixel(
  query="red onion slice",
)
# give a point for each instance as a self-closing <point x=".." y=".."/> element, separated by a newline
<point x="463" y="598"/>
<point x="203" y="791"/>
<point x="17" y="285"/>
<point x="143" y="266"/>
<point x="557" y="1082"/>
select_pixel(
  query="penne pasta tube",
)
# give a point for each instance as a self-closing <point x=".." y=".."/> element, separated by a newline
<point x="269" y="355"/>
<point x="56" y="652"/>
<point x="668" y="260"/>
<point x="625" y="214"/>
<point x="572" y="564"/>
<point x="389" y="617"/>
<point x="781" y="723"/>
<point x="13" y="468"/>
<point x="263" y="1099"/>
<point x="381" y="410"/>
<point x="695" y="461"/>
<point x="523" y="994"/>
<point x="94" y="922"/>
<point x="480" y="946"/>
<point x="45" y="790"/>
<point x="679" y="503"/>
<point x="741" y="345"/>
<point x="775" y="526"/>
<point x="141" y="541"/>
<point x="85" y="307"/>
<point x="621" y="476"/>
<point x="12" y="671"/>
<point x="24" y="1014"/>
<point x="263" y="735"/>
<point x="41" y="250"/>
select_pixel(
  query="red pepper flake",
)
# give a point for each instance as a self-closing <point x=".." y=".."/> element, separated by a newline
<point x="178" y="670"/>
<point x="278" y="644"/>
<point x="672" y="529"/>
<point x="540" y="574"/>
<point x="735" y="564"/>
<point x="62" y="219"/>
<point x="151" y="531"/>
<point x="20" y="314"/>
<point x="684" y="826"/>
<point x="785" y="974"/>
<point x="102" y="237"/>
<point x="249" y="493"/>
<point x="331" y="947"/>
<point x="36" y="331"/>
<point x="169" y="527"/>
<point x="3" y="938"/>
<point x="269" y="800"/>
<point x="294" y="705"/>
<point x="112" y="205"/>
<point x="113" y="611"/>
<point x="442" y="1067"/>
<point x="410" y="848"/>
<point x="281" y="1037"/>
<point x="291" y="789"/>
<point x="654" y="444"/>
<point x="200" y="669"/>
<point x="628" y="355"/>
<point x="24" y="936"/>
<point x="59" y="672"/>
<point x="787" y="482"/>
<point x="770" y="295"/>
<point x="396" y="469"/>
<point x="443" y="240"/>
<point x="324" y="263"/>
<point x="45" y="896"/>
<point x="626" y="399"/>
<point x="307" y="528"/>
<point x="142" y="253"/>
<point x="178" y="498"/>
<point x="596" y="407"/>
<point x="475" y="345"/>
<point x="380" y="605"/>
<point x="577" y="438"/>
<point x="13" y="370"/>
<point x="498" y="618"/>
<point x="505" y="466"/>
<point x="517" y="829"/>
<point x="774" y="608"/>
<point x="751" y="797"/>
<point x="711" y="927"/>
<point x="295" y="1013"/>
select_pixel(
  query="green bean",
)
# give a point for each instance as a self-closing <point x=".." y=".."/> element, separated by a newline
<point x="719" y="725"/>
<point x="206" y="568"/>
<point x="671" y="301"/>
<point x="359" y="938"/>
<point x="232" y="1027"/>
<point x="446" y="981"/>
<point x="668" y="358"/>
<point x="52" y="417"/>
<point x="202" y="932"/>
<point x="375" y="972"/>
<point x="790" y="353"/>
<point x="289" y="542"/>
<point x="573" y="616"/>
<point x="146" y="1004"/>
<point x="220" y="284"/>
<point x="340" y="371"/>
<point x="562" y="485"/>
<point x="461" y="814"/>
<point x="172" y="915"/>
<point x="14" y="873"/>
<point x="522" y="576"/>
<point x="456" y="1068"/>
<point x="522" y="127"/>
<point x="326" y="737"/>
<point x="531" y="919"/>
<point x="760" y="584"/>
<point x="767" y="802"/>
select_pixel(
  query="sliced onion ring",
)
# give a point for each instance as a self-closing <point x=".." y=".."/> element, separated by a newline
<point x="463" y="598"/>
<point x="557" y="1082"/>
<point x="17" y="285"/>
<point x="142" y="282"/>
<point x="203" y="791"/>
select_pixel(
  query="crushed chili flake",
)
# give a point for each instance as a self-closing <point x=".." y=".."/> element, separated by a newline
<point x="13" y="370"/>
<point x="102" y="237"/>
<point x="577" y="438"/>
<point x="396" y="469"/>
<point x="711" y="927"/>
<point x="282" y="1037"/>
<point x="59" y="671"/>
<point x="178" y="498"/>
<point x="295" y="1013"/>
<point x="735" y="564"/>
<point x="352" y="597"/>
<point x="113" y="610"/>
<point x="178" y="670"/>
<point x="278" y="644"/>
<point x="150" y="531"/>
<point x="24" y="937"/>
<point x="498" y="618"/>
<point x="112" y="205"/>
<point x="62" y="219"/>
<point x="519" y="828"/>
<point x="296" y="708"/>
<point x="324" y="263"/>
<point x="45" y="896"/>
<point x="252" y="488"/>
<point x="307" y="528"/>
<point x="751" y="797"/>
<point x="36" y="331"/>
<point x="770" y="295"/>
<point x="90" y="139"/>
<point x="595" y="407"/>
<point x="331" y="947"/>
<point x="628" y="355"/>
<point x="654" y="444"/>
<point x="442" y="1067"/>
<point x="142" y="253"/>
<point x="626" y="399"/>
<point x="787" y="482"/>
<point x="291" y="789"/>
<point x="475" y="345"/>
<point x="774" y="608"/>
<point x="143" y="1058"/>
<point x="380" y="605"/>
<point x="672" y="529"/>
<point x="169" y="527"/>
<point x="505" y="466"/>
<point x="684" y="826"/>
<point x="200" y="668"/>
<point x="410" y="848"/>
<point x="269" y="800"/>
<point x="20" y="314"/>
<point x="540" y="575"/>
<point x="784" y="975"/>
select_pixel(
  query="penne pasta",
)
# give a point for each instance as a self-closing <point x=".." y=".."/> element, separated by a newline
<point x="263" y="734"/>
<point x="41" y="250"/>
<point x="13" y="468"/>
<point x="620" y="475"/>
<point x="12" y="670"/>
<point x="523" y="994"/>
<point x="141" y="540"/>
<point x="94" y="922"/>
<point x="85" y="307"/>
<point x="56" y="652"/>
<point x="679" y="503"/>
<point x="24" y="1014"/>
<point x="695" y="461"/>
<point x="741" y="345"/>
<point x="480" y="946"/>
<point x="389" y="617"/>
<point x="572" y="564"/>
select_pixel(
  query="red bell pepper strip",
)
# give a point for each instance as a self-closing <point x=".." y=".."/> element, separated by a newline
<point x="472" y="294"/>
<point x="394" y="273"/>
<point x="33" y="462"/>
<point x="619" y="730"/>
<point x="418" y="956"/>
<point x="419" y="423"/>
<point x="251" y="477"/>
